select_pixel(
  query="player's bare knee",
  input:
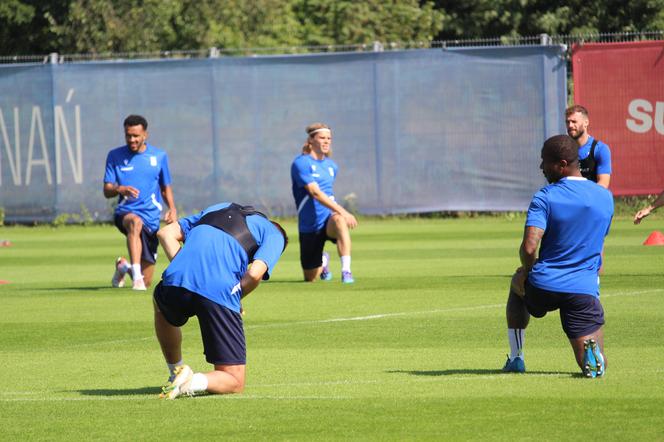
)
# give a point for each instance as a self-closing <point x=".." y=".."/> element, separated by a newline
<point x="339" y="222"/>
<point x="239" y="388"/>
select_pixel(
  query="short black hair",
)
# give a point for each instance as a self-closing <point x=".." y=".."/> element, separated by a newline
<point x="561" y="147"/>
<point x="136" y="120"/>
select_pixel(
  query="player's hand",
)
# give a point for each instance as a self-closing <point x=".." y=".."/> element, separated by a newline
<point x="128" y="191"/>
<point x="642" y="214"/>
<point x="351" y="222"/>
<point x="519" y="282"/>
<point x="171" y="216"/>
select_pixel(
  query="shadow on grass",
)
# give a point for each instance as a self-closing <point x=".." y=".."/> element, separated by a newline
<point x="78" y="288"/>
<point x="121" y="392"/>
<point x="478" y="372"/>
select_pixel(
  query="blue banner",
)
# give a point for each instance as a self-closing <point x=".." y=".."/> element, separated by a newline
<point x="414" y="131"/>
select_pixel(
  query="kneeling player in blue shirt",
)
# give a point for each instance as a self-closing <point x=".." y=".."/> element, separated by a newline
<point x="229" y="249"/>
<point x="319" y="217"/>
<point x="138" y="174"/>
<point x="567" y="220"/>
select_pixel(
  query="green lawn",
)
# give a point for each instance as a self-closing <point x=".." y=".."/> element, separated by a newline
<point x="411" y="351"/>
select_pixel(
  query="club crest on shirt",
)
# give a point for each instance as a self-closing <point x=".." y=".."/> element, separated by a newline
<point x="153" y="160"/>
<point x="331" y="171"/>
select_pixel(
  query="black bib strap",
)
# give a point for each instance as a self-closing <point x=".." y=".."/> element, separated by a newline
<point x="588" y="165"/>
<point x="232" y="220"/>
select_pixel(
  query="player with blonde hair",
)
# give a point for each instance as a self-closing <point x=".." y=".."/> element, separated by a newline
<point x="320" y="217"/>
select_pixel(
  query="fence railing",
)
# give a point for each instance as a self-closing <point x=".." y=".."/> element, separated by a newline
<point x="542" y="39"/>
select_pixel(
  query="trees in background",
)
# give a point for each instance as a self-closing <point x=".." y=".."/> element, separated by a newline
<point x="511" y="18"/>
<point x="100" y="26"/>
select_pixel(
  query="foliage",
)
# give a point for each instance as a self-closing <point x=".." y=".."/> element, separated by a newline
<point x="351" y="22"/>
<point x="99" y="26"/>
<point x="508" y="18"/>
<point x="83" y="218"/>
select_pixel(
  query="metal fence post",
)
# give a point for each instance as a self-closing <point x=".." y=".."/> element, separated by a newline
<point x="545" y="40"/>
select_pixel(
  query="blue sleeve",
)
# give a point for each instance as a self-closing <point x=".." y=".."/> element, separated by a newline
<point x="109" y="174"/>
<point x="603" y="158"/>
<point x="187" y="223"/>
<point x="538" y="211"/>
<point x="301" y="172"/>
<point x="164" y="173"/>
<point x="271" y="242"/>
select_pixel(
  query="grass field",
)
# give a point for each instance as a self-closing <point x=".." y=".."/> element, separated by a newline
<point x="411" y="351"/>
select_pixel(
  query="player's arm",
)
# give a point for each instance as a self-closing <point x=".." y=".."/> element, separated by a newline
<point x="603" y="166"/>
<point x="328" y="202"/>
<point x="647" y="210"/>
<point x="114" y="189"/>
<point x="528" y="255"/>
<point x="170" y="237"/>
<point x="253" y="277"/>
<point x="171" y="214"/>
<point x="529" y="245"/>
<point x="603" y="180"/>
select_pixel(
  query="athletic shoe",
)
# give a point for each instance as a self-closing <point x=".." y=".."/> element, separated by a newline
<point x="593" y="360"/>
<point x="516" y="365"/>
<point x="180" y="384"/>
<point x="120" y="272"/>
<point x="139" y="284"/>
<point x="347" y="277"/>
<point x="326" y="275"/>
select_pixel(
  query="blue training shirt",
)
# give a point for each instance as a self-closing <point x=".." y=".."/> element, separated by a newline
<point x="575" y="214"/>
<point x="211" y="262"/>
<point x="147" y="171"/>
<point x="602" y="155"/>
<point x="311" y="214"/>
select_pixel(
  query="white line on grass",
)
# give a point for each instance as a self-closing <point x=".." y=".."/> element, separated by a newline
<point x="370" y="317"/>
<point x="417" y="313"/>
<point x="377" y="316"/>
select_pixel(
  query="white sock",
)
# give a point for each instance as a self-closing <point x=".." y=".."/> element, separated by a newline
<point x="517" y="337"/>
<point x="198" y="383"/>
<point x="345" y="263"/>
<point x="325" y="260"/>
<point x="136" y="272"/>
<point x="172" y="367"/>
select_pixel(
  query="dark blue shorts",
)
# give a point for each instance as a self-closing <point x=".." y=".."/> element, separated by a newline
<point x="580" y="315"/>
<point x="311" y="247"/>
<point x="148" y="239"/>
<point x="221" y="328"/>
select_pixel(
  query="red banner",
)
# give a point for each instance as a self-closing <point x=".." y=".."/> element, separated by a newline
<point x="622" y="86"/>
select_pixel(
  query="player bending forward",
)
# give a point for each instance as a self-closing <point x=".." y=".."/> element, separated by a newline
<point x="229" y="250"/>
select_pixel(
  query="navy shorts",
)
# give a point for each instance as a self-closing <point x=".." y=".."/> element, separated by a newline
<point x="221" y="328"/>
<point x="148" y="239"/>
<point x="580" y="315"/>
<point x="311" y="248"/>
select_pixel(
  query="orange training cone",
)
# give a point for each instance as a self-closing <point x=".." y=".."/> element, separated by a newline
<point x="656" y="238"/>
